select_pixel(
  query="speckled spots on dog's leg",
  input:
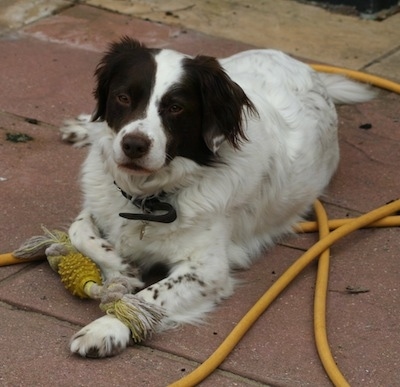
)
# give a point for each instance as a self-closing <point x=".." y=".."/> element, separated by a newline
<point x="107" y="247"/>
<point x="187" y="296"/>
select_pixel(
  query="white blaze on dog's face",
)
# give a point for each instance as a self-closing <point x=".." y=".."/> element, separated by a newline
<point x="142" y="144"/>
<point x="163" y="104"/>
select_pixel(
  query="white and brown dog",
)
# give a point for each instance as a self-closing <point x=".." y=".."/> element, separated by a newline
<point x="198" y="163"/>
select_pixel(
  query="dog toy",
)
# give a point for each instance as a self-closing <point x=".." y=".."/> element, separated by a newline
<point x="82" y="277"/>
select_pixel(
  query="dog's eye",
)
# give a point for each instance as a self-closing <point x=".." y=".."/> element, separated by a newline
<point x="123" y="99"/>
<point x="175" y="109"/>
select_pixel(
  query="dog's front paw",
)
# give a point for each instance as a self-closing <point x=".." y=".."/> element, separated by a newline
<point x="76" y="130"/>
<point x="106" y="336"/>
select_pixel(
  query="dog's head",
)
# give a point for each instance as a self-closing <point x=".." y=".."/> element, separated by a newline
<point x="162" y="104"/>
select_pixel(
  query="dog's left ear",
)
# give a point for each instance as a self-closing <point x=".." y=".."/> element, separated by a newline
<point x="224" y="102"/>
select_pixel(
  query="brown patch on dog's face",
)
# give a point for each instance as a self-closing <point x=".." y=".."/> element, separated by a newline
<point x="125" y="80"/>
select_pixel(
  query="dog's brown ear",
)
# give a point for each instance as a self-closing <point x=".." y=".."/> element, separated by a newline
<point x="101" y="92"/>
<point x="224" y="102"/>
<point x="104" y="70"/>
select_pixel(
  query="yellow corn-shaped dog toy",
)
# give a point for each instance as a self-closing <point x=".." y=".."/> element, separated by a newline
<point x="82" y="277"/>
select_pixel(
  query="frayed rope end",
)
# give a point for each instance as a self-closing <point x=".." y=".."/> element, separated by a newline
<point x="36" y="246"/>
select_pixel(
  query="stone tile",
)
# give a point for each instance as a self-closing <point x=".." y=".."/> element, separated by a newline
<point x="45" y="81"/>
<point x="34" y="353"/>
<point x="368" y="172"/>
<point x="17" y="13"/>
<point x="38" y="288"/>
<point x="388" y="66"/>
<point x="11" y="270"/>
<point x="363" y="327"/>
<point x="303" y="30"/>
<point x="39" y="181"/>
<point x="93" y="29"/>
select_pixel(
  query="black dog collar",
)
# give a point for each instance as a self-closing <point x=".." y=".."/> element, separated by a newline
<point x="148" y="206"/>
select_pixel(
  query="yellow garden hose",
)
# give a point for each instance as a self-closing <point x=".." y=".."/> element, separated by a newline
<point x="9" y="259"/>
<point x="359" y="76"/>
<point x="273" y="292"/>
<point x="389" y="221"/>
<point x="377" y="218"/>
<point x="321" y="291"/>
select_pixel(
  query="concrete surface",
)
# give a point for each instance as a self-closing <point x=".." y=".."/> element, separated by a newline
<point x="48" y="52"/>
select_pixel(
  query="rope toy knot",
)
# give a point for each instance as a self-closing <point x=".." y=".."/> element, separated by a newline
<point x="139" y="316"/>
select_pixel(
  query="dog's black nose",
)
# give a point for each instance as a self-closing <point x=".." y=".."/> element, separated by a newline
<point x="135" y="146"/>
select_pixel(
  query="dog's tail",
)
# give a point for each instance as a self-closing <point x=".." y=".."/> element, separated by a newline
<point x="346" y="91"/>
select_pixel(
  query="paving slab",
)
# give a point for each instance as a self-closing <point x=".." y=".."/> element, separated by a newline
<point x="388" y="66"/>
<point x="367" y="176"/>
<point x="32" y="357"/>
<point x="93" y="29"/>
<point x="46" y="81"/>
<point x="39" y="289"/>
<point x="297" y="28"/>
<point x="17" y="13"/>
<point x="363" y="326"/>
<point x="39" y="180"/>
